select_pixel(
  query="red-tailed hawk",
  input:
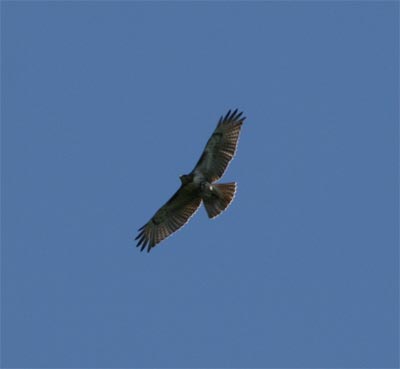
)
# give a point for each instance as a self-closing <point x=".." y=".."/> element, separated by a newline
<point x="198" y="186"/>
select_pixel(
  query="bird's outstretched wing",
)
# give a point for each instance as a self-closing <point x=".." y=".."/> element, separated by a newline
<point x="221" y="147"/>
<point x="169" y="218"/>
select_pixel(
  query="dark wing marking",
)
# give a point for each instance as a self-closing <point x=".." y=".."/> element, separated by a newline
<point x="221" y="147"/>
<point x="169" y="218"/>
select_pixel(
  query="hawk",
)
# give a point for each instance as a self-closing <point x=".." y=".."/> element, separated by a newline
<point x="198" y="186"/>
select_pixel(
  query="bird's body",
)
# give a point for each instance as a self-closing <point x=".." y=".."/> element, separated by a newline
<point x="198" y="186"/>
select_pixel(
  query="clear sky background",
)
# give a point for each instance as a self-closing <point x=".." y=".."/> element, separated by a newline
<point x="105" y="104"/>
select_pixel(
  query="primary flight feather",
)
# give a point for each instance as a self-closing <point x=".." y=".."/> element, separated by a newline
<point x="198" y="186"/>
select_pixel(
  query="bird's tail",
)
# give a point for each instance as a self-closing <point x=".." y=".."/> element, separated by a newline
<point x="219" y="198"/>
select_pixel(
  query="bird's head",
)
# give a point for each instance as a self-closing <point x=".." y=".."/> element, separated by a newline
<point x="185" y="178"/>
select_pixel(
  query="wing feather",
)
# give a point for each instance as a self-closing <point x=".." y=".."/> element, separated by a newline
<point x="169" y="218"/>
<point x="221" y="146"/>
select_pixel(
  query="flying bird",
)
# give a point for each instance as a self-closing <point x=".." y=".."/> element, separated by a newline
<point x="198" y="186"/>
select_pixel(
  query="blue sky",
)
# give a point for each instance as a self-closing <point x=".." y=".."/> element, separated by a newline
<point x="105" y="104"/>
